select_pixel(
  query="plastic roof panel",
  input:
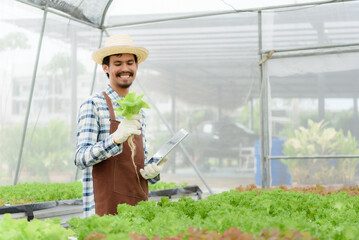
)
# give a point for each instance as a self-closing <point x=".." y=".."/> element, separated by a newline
<point x="86" y="10"/>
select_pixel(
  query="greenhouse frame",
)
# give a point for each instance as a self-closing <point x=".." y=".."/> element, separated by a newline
<point x="269" y="94"/>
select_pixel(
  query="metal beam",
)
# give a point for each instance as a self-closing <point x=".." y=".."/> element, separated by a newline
<point x="179" y="18"/>
<point x="264" y="112"/>
<point x="227" y="12"/>
<point x="92" y="86"/>
<point x="313" y="157"/>
<point x="95" y="65"/>
<point x="73" y="68"/>
<point x="172" y="132"/>
<point x="105" y="13"/>
<point x="311" y="48"/>
<point x="291" y="55"/>
<point x="16" y="178"/>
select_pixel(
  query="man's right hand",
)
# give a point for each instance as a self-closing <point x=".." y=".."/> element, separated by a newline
<point x="127" y="128"/>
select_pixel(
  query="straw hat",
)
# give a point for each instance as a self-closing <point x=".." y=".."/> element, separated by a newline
<point x="119" y="43"/>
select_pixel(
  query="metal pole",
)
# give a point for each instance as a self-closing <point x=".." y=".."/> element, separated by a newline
<point x="251" y="115"/>
<point x="228" y="12"/>
<point x="172" y="132"/>
<point x="31" y="94"/>
<point x="95" y="67"/>
<point x="355" y="117"/>
<point x="73" y="87"/>
<point x="92" y="88"/>
<point x="312" y="48"/>
<point x="262" y="159"/>
<point x="266" y="171"/>
<point x="183" y="17"/>
<point x="314" y="53"/>
<point x="173" y="115"/>
<point x="267" y="136"/>
<point x="313" y="156"/>
<point x="105" y="13"/>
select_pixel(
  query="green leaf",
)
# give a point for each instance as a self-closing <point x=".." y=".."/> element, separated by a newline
<point x="130" y="105"/>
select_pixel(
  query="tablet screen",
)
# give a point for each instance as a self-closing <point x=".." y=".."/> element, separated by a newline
<point x="168" y="146"/>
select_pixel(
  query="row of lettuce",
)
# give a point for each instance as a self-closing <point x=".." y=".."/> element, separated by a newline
<point x="243" y="213"/>
<point x="44" y="192"/>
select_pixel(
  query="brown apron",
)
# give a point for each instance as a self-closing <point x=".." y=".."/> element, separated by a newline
<point x="114" y="179"/>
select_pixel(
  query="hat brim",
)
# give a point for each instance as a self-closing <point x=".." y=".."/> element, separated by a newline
<point x="140" y="52"/>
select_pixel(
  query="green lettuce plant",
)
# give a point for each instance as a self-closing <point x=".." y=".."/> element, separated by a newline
<point x="317" y="139"/>
<point x="333" y="216"/>
<point x="130" y="105"/>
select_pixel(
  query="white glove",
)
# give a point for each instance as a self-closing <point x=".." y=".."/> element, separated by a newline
<point x="127" y="128"/>
<point x="152" y="170"/>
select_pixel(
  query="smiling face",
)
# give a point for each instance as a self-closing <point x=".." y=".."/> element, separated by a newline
<point x="122" y="70"/>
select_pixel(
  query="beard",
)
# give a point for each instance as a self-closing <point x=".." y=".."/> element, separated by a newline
<point x="124" y="85"/>
<point x="127" y="85"/>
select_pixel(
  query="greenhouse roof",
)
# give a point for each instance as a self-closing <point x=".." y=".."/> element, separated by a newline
<point x="95" y="12"/>
<point x="209" y="40"/>
<point x="208" y="60"/>
<point x="85" y="10"/>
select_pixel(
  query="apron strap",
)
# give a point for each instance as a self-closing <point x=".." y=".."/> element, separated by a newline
<point x="110" y="107"/>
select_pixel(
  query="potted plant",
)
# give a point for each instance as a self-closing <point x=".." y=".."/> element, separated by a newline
<point x="319" y="140"/>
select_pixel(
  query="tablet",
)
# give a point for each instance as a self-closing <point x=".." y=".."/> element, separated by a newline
<point x="168" y="146"/>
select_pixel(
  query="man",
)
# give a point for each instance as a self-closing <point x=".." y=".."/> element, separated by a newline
<point x="109" y="176"/>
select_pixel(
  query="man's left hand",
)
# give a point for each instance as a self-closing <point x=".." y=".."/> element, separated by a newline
<point x="152" y="170"/>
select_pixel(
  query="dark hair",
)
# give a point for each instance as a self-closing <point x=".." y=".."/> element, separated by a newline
<point x="106" y="61"/>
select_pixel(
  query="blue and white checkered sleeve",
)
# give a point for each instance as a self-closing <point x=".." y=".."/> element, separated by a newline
<point x="89" y="150"/>
<point x="88" y="197"/>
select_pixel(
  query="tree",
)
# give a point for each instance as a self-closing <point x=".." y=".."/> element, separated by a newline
<point x="60" y="64"/>
<point x="48" y="148"/>
<point x="14" y="40"/>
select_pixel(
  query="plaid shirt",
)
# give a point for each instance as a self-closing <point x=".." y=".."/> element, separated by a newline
<point x="94" y="142"/>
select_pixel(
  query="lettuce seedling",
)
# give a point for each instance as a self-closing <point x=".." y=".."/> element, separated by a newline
<point x="130" y="105"/>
